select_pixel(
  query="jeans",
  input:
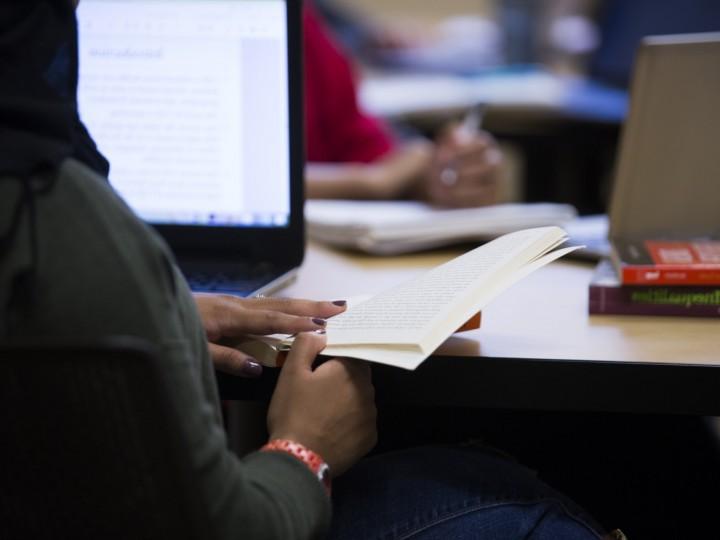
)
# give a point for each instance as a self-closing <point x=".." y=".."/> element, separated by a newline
<point x="452" y="493"/>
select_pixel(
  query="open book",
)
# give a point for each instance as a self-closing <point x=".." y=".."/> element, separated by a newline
<point x="388" y="227"/>
<point x="404" y="325"/>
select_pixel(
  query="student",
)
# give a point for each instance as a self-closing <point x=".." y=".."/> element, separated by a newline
<point x="75" y="262"/>
<point x="353" y="155"/>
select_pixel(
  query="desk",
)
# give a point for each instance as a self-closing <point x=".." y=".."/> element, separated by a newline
<point x="537" y="348"/>
<point x="522" y="98"/>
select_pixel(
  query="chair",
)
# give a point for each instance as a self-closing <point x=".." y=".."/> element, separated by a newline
<point x="91" y="446"/>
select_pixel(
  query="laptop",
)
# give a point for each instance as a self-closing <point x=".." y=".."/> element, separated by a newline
<point x="667" y="179"/>
<point x="198" y="106"/>
<point x="667" y="182"/>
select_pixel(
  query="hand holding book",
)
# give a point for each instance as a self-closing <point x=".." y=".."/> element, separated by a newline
<point x="404" y="325"/>
<point x="228" y="318"/>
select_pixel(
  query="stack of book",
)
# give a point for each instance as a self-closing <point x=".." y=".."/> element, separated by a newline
<point x="667" y="278"/>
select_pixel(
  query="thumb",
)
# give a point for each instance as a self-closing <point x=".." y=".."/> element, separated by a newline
<point x="463" y="136"/>
<point x="305" y="348"/>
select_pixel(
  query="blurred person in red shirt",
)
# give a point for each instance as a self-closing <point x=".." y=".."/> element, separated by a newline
<point x="352" y="155"/>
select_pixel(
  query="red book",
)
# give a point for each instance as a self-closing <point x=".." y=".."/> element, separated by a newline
<point x="659" y="262"/>
<point x="607" y="296"/>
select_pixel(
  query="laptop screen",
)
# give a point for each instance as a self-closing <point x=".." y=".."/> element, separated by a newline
<point x="188" y="99"/>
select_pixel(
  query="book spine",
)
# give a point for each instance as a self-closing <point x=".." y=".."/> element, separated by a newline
<point x="658" y="301"/>
<point x="653" y="275"/>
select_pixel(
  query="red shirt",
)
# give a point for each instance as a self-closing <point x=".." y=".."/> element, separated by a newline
<point x="336" y="130"/>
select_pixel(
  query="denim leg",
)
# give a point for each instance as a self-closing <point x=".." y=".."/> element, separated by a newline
<point x="452" y="493"/>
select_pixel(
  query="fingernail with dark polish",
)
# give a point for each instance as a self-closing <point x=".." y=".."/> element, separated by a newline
<point x="340" y="303"/>
<point x="319" y="322"/>
<point x="252" y="368"/>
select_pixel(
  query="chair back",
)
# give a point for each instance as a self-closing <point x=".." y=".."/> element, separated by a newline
<point x="91" y="446"/>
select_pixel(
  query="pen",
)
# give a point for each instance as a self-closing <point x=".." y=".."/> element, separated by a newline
<point x="468" y="129"/>
<point x="472" y="122"/>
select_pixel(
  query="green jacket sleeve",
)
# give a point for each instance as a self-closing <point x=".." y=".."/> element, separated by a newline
<point x="103" y="272"/>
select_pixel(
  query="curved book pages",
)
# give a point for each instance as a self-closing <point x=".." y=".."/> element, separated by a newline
<point x="390" y="227"/>
<point x="404" y="325"/>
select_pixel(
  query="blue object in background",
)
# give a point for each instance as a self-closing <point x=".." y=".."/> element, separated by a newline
<point x="623" y="24"/>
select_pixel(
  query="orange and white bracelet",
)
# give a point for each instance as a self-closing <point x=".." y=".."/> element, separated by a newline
<point x="312" y="460"/>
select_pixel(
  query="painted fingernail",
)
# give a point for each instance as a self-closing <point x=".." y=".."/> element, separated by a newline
<point x="321" y="332"/>
<point x="320" y="322"/>
<point x="340" y="303"/>
<point x="252" y="368"/>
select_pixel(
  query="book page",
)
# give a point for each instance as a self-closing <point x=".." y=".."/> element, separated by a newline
<point x="405" y="314"/>
<point x="409" y="356"/>
<point x="390" y="355"/>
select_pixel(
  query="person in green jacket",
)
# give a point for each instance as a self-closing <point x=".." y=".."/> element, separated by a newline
<point x="75" y="262"/>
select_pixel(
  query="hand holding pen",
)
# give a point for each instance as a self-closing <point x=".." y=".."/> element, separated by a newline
<point x="465" y="170"/>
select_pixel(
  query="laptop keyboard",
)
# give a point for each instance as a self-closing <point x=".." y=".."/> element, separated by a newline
<point x="238" y="279"/>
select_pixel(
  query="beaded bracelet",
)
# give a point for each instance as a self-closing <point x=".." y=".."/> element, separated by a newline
<point x="312" y="460"/>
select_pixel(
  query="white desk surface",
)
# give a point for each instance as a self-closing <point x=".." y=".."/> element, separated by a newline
<point x="542" y="317"/>
<point x="531" y="94"/>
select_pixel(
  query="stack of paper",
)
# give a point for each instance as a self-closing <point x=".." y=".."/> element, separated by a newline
<point x="388" y="227"/>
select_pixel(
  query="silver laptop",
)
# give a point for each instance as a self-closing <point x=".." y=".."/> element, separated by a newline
<point x="196" y="104"/>
<point x="667" y="181"/>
